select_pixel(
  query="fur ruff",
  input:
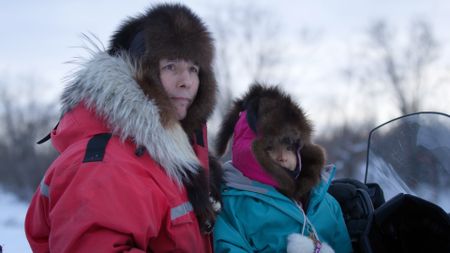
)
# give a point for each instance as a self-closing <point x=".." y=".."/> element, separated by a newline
<point x="277" y="119"/>
<point x="106" y="85"/>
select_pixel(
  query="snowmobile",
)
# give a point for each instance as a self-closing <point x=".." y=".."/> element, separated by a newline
<point x="403" y="202"/>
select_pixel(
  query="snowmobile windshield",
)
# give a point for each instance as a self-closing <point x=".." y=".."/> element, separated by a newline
<point x="411" y="154"/>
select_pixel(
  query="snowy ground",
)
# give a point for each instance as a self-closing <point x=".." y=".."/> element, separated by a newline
<point x="12" y="215"/>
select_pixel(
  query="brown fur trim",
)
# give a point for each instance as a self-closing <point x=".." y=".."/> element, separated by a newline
<point x="313" y="160"/>
<point x="199" y="198"/>
<point x="215" y="178"/>
<point x="278" y="118"/>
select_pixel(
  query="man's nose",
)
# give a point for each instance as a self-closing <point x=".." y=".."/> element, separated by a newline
<point x="184" y="78"/>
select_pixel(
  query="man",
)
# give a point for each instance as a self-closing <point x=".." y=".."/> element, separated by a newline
<point x="133" y="165"/>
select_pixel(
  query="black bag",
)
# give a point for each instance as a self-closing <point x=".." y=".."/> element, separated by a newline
<point x="407" y="223"/>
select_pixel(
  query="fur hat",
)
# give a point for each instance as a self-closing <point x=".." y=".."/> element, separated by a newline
<point x="274" y="118"/>
<point x="169" y="31"/>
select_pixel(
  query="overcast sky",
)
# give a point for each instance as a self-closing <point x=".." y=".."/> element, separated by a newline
<point x="39" y="36"/>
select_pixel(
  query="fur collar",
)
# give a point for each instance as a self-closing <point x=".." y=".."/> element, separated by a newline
<point x="106" y="84"/>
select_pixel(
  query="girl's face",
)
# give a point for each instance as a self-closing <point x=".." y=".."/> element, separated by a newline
<point x="283" y="155"/>
<point x="180" y="81"/>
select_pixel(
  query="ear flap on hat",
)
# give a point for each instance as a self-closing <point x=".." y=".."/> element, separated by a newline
<point x="313" y="160"/>
<point x="137" y="47"/>
<point x="124" y="37"/>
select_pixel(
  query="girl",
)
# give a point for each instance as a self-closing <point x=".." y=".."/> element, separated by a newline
<point x="275" y="196"/>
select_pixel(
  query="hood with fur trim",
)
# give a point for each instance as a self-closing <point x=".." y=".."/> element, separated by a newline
<point x="274" y="118"/>
<point x="105" y="84"/>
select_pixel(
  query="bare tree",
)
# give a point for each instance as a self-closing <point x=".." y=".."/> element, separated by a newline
<point x="248" y="48"/>
<point x="400" y="70"/>
<point x="346" y="147"/>
<point x="24" y="120"/>
<point x="392" y="69"/>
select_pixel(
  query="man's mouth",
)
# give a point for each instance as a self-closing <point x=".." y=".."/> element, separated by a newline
<point x="181" y="100"/>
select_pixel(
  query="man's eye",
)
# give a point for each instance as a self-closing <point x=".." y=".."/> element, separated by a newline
<point x="195" y="69"/>
<point x="169" y="66"/>
<point x="290" y="148"/>
<point x="269" y="148"/>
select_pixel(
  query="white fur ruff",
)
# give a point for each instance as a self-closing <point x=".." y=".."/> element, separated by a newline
<point x="298" y="243"/>
<point x="106" y="84"/>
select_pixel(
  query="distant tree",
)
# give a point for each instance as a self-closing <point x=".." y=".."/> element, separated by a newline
<point x="389" y="70"/>
<point x="400" y="70"/>
<point x="248" y="48"/>
<point x="346" y="147"/>
<point x="24" y="119"/>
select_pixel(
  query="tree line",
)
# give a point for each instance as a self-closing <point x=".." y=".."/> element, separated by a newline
<point x="249" y="49"/>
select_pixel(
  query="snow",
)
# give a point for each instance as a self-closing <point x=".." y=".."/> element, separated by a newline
<point x="12" y="216"/>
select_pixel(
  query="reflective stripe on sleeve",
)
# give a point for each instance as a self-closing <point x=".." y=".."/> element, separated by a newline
<point x="180" y="210"/>
<point x="44" y="188"/>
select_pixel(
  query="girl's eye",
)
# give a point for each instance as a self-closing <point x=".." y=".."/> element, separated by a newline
<point x="290" y="148"/>
<point x="269" y="148"/>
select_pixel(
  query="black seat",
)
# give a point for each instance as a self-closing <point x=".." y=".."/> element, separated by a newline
<point x="355" y="199"/>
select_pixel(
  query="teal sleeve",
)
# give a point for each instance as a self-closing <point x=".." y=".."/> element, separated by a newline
<point x="226" y="234"/>
<point x="227" y="239"/>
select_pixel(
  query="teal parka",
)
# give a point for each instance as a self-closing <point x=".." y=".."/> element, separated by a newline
<point x="255" y="217"/>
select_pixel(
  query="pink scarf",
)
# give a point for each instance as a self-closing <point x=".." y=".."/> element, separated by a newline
<point x="242" y="155"/>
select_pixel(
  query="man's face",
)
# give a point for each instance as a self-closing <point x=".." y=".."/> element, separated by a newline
<point x="283" y="155"/>
<point x="180" y="81"/>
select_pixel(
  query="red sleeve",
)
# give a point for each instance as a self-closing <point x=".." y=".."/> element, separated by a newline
<point x="36" y="223"/>
<point x="105" y="208"/>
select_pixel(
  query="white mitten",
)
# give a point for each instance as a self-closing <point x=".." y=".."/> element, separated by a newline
<point x="298" y="243"/>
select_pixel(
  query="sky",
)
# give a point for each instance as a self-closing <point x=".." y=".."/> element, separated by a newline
<point x="40" y="37"/>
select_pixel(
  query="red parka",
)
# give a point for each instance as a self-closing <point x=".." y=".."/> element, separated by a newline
<point x="124" y="203"/>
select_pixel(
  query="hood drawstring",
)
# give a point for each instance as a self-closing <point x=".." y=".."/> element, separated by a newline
<point x="296" y="172"/>
<point x="306" y="222"/>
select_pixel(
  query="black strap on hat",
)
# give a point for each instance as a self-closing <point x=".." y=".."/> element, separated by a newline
<point x="137" y="46"/>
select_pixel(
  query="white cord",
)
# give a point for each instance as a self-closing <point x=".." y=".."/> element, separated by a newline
<point x="306" y="220"/>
